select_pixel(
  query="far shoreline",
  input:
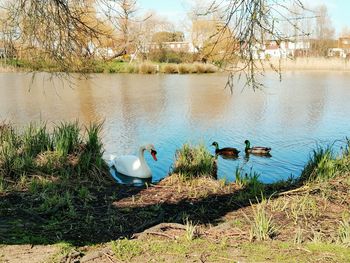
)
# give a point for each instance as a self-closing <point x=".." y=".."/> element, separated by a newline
<point x="149" y="67"/>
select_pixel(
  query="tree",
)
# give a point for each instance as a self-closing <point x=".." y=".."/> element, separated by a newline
<point x="324" y="31"/>
<point x="345" y="32"/>
<point x="166" y="36"/>
<point x="250" y="23"/>
<point x="142" y="33"/>
<point x="121" y="13"/>
<point x="212" y="40"/>
<point x="68" y="33"/>
<point x="60" y="32"/>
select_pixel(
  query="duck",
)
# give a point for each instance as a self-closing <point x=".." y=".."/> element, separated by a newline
<point x="135" y="166"/>
<point x="227" y="151"/>
<point x="256" y="149"/>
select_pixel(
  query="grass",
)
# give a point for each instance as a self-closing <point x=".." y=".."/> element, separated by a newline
<point x="344" y="230"/>
<point x="321" y="166"/>
<point x="191" y="230"/>
<point x="262" y="227"/>
<point x="115" y="66"/>
<point x="194" y="161"/>
<point x="59" y="198"/>
<point x="67" y="149"/>
<point x="125" y="249"/>
<point x="324" y="165"/>
<point x="200" y="250"/>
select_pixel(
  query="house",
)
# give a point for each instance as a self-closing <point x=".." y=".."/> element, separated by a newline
<point x="281" y="49"/>
<point x="344" y="43"/>
<point x="336" y="52"/>
<point x="343" y="49"/>
<point x="2" y="53"/>
<point x="176" y="46"/>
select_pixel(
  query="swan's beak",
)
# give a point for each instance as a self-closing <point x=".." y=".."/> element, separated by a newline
<point x="153" y="153"/>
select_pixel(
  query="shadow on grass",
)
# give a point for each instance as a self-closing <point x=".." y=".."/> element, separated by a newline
<point x="85" y="213"/>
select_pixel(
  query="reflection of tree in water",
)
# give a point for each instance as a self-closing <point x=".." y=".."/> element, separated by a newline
<point x="87" y="104"/>
<point x="304" y="105"/>
<point x="138" y="105"/>
<point x="208" y="101"/>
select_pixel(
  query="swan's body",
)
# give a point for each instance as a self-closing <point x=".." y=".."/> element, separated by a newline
<point x="227" y="151"/>
<point x="260" y="150"/>
<point x="135" y="166"/>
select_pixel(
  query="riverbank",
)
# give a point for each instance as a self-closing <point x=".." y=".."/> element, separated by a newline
<point x="71" y="213"/>
<point x="307" y="224"/>
<point x="148" y="67"/>
<point x="307" y="63"/>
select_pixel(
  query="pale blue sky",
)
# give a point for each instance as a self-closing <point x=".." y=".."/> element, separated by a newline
<point x="175" y="10"/>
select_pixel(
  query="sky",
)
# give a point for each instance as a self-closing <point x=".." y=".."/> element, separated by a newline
<point x="175" y="10"/>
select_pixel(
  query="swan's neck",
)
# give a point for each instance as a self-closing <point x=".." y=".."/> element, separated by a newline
<point x="142" y="157"/>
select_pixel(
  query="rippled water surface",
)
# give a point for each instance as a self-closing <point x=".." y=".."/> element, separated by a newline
<point x="293" y="116"/>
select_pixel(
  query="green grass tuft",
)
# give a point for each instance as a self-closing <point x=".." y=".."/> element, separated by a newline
<point x="194" y="161"/>
<point x="66" y="138"/>
<point x="321" y="166"/>
<point x="344" y="231"/>
<point x="67" y="150"/>
<point x="262" y="227"/>
<point x="125" y="249"/>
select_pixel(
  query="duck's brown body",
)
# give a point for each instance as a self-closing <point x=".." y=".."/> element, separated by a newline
<point x="227" y="151"/>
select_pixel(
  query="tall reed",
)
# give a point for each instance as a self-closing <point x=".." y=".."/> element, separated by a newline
<point x="67" y="150"/>
<point x="66" y="137"/>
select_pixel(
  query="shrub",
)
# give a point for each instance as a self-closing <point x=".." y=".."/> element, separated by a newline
<point x="185" y="68"/>
<point x="147" y="68"/>
<point x="170" y="69"/>
<point x="204" y="68"/>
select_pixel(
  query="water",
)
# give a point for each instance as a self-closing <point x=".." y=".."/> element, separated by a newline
<point x="306" y="109"/>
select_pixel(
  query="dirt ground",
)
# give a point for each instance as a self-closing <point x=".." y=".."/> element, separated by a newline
<point x="306" y="221"/>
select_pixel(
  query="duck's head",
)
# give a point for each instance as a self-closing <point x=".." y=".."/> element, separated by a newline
<point x="215" y="144"/>
<point x="152" y="150"/>
<point x="247" y="143"/>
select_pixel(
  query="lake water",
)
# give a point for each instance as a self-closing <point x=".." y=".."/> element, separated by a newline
<point x="306" y="109"/>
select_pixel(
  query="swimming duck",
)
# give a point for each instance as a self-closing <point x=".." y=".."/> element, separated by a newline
<point x="135" y="166"/>
<point x="227" y="151"/>
<point x="256" y="149"/>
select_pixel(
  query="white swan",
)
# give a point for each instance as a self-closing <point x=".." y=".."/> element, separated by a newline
<point x="131" y="165"/>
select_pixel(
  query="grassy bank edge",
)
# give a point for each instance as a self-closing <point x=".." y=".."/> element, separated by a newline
<point x="192" y="178"/>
